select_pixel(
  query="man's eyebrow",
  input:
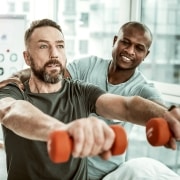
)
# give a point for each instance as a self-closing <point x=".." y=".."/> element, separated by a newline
<point x="138" y="44"/>
<point x="46" y="41"/>
<point x="60" y="41"/>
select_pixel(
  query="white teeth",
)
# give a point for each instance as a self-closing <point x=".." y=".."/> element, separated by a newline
<point x="126" y="59"/>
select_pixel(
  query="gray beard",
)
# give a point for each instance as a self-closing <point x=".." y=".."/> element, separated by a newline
<point x="42" y="75"/>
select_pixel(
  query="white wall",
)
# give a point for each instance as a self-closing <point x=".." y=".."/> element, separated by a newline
<point x="11" y="44"/>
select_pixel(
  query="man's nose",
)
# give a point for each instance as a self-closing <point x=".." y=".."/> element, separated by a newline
<point x="53" y="53"/>
<point x="131" y="50"/>
<point x="53" y="57"/>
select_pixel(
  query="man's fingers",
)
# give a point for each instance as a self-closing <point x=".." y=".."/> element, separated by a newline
<point x="106" y="155"/>
<point x="78" y="142"/>
<point x="171" y="144"/>
<point x="90" y="139"/>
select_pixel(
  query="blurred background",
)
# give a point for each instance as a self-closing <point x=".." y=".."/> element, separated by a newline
<point x="88" y="24"/>
<point x="89" y="27"/>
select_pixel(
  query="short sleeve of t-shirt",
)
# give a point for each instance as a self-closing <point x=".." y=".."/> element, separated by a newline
<point x="86" y="93"/>
<point x="11" y="90"/>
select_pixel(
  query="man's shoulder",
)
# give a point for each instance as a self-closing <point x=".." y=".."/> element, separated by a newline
<point x="90" y="60"/>
<point x="11" y="90"/>
<point x="82" y="88"/>
<point x="10" y="86"/>
<point x="77" y="82"/>
<point x="140" y="82"/>
<point x="80" y="84"/>
<point x="139" y="78"/>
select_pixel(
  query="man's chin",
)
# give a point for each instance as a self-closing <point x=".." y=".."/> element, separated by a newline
<point x="52" y="80"/>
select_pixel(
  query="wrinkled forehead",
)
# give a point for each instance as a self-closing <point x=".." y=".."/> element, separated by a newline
<point x="47" y="33"/>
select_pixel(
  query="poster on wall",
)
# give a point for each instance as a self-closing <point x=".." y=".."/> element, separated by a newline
<point x="12" y="30"/>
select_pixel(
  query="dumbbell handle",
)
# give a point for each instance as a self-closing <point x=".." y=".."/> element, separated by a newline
<point x="158" y="132"/>
<point x="60" y="144"/>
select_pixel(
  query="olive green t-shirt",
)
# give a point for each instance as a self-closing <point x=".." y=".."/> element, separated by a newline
<point x="29" y="160"/>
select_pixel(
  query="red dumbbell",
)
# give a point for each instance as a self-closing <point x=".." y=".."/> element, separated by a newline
<point x="158" y="132"/>
<point x="60" y="144"/>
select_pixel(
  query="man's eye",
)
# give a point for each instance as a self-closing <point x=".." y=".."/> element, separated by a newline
<point x="140" y="48"/>
<point x="43" y="46"/>
<point x="60" y="46"/>
<point x="124" y="42"/>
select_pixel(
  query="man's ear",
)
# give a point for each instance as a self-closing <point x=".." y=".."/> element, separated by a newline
<point x="26" y="57"/>
<point x="114" y="40"/>
<point x="147" y="53"/>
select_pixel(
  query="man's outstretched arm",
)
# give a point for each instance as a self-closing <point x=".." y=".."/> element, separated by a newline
<point x="138" y="110"/>
<point x="90" y="135"/>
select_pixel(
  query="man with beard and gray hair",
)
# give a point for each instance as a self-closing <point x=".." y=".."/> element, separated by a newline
<point x="51" y="103"/>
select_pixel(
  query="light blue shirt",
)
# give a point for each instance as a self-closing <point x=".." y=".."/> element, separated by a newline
<point x="94" y="70"/>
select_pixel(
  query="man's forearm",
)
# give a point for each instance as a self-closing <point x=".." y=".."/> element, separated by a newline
<point x="26" y="120"/>
<point x="140" y="110"/>
<point x="133" y="109"/>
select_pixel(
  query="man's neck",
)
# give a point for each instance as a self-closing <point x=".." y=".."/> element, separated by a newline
<point x="38" y="86"/>
<point x="118" y="76"/>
